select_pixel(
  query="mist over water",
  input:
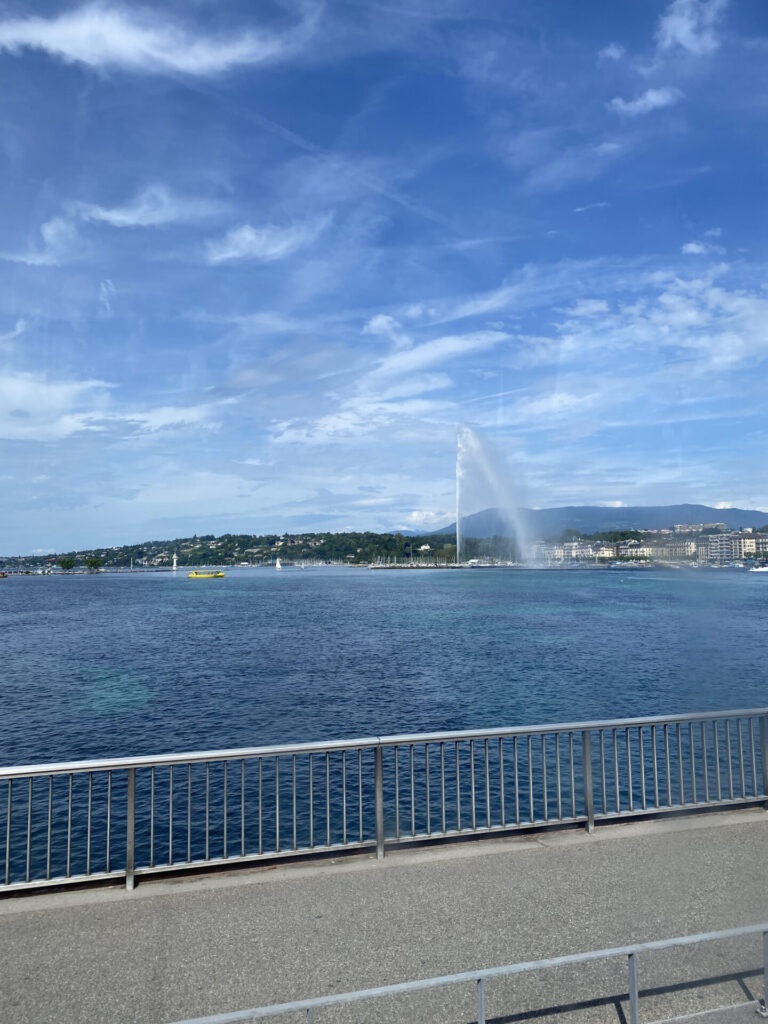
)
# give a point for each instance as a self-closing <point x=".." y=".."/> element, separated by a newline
<point x="484" y="479"/>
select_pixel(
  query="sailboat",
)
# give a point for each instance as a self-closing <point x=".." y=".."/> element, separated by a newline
<point x="277" y="565"/>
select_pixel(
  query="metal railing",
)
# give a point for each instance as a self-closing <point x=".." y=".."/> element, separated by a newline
<point x="308" y="1006"/>
<point x="122" y="818"/>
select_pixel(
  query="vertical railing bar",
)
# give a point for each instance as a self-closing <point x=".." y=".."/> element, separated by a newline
<point x="170" y="815"/>
<point x="344" y="797"/>
<point x="544" y="774"/>
<point x="616" y="770"/>
<point x="729" y="755"/>
<point x="109" y="817"/>
<point x="717" y="760"/>
<point x="152" y="816"/>
<point x="378" y="799"/>
<point x="261" y="807"/>
<point x="426" y="781"/>
<point x="573" y="775"/>
<point x="589" y="790"/>
<point x="668" y="765"/>
<point x="69" y="824"/>
<point x="501" y="782"/>
<point x="130" y="830"/>
<point x="481" y="1001"/>
<point x="705" y="760"/>
<point x="442" y="787"/>
<point x="603" y="779"/>
<point x="50" y="815"/>
<point x="294" y="800"/>
<point x="277" y="803"/>
<point x="8" y="834"/>
<point x="517" y="780"/>
<point x="397" y="791"/>
<point x="360" y="794"/>
<point x="655" y="768"/>
<point x="311" y="803"/>
<point x="327" y="798"/>
<point x="680" y="763"/>
<point x="751" y="727"/>
<point x="207" y="809"/>
<point x="692" y="758"/>
<point x="557" y="776"/>
<point x="242" y="806"/>
<point x="530" y="779"/>
<point x="741" y="757"/>
<point x="641" y="745"/>
<point x="472" y="781"/>
<point x="29" y="824"/>
<point x="487" y="788"/>
<point x="412" y="784"/>
<point x="764" y="752"/>
<point x="87" y="824"/>
<point x="634" y="1001"/>
<point x="631" y="797"/>
<point x="189" y="812"/>
<point x="225" y="808"/>
<point x="458" y="789"/>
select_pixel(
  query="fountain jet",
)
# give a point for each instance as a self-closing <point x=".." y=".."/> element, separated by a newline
<point x="481" y="471"/>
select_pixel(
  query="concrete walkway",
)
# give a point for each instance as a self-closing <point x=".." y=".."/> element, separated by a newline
<point x="180" y="949"/>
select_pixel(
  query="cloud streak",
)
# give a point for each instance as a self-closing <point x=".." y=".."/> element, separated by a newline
<point x="265" y="244"/>
<point x="104" y="37"/>
<point x="651" y="99"/>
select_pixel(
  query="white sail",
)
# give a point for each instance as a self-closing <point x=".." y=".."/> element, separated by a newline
<point x="277" y="564"/>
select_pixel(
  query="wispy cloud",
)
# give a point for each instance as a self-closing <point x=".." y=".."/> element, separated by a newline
<point x="613" y="51"/>
<point x="34" y="407"/>
<point x="154" y="206"/>
<point x="60" y="243"/>
<point x="267" y="243"/>
<point x="104" y="36"/>
<point x="651" y="99"/>
<point x="698" y="248"/>
<point x="691" y="25"/>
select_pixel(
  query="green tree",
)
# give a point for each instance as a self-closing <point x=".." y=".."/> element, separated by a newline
<point x="66" y="564"/>
<point x="94" y="564"/>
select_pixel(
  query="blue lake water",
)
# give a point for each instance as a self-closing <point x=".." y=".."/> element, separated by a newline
<point x="126" y="664"/>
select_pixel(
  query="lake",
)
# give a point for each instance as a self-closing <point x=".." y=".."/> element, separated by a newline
<point x="110" y="665"/>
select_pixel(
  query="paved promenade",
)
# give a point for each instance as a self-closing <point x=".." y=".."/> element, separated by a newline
<point x="173" y="950"/>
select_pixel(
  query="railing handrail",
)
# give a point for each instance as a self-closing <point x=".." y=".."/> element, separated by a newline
<point x="277" y="1009"/>
<point x="367" y="742"/>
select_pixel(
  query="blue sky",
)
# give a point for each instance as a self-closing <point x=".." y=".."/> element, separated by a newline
<point x="259" y="260"/>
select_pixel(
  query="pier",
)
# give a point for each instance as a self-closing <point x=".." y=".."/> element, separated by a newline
<point x="174" y="950"/>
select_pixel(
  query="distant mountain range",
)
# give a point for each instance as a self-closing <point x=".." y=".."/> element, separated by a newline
<point x="549" y="522"/>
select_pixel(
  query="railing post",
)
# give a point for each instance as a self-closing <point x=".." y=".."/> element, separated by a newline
<point x="481" y="1001"/>
<point x="762" y="1004"/>
<point x="586" y="764"/>
<point x="130" y="828"/>
<point x="378" y="783"/>
<point x="764" y="753"/>
<point x="634" y="1002"/>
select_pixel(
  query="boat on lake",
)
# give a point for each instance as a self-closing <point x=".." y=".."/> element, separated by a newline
<point x="195" y="575"/>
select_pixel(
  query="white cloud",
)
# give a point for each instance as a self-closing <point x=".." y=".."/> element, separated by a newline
<point x="700" y="249"/>
<point x="104" y="36"/>
<point x="106" y="292"/>
<point x="723" y="504"/>
<point x="155" y="205"/>
<point x="16" y="331"/>
<point x="439" y="350"/>
<point x="690" y="26"/>
<point x="651" y="99"/>
<point x="588" y="307"/>
<point x="613" y="51"/>
<point x="266" y="243"/>
<point x="61" y="243"/>
<point x="35" y="408"/>
<point x="590" y="206"/>
<point x="386" y="326"/>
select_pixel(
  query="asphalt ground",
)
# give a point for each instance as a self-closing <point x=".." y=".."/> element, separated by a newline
<point x="180" y="949"/>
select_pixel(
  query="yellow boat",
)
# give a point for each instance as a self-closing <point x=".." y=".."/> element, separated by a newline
<point x="195" y="575"/>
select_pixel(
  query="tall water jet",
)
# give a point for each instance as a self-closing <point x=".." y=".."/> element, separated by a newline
<point x="483" y="472"/>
